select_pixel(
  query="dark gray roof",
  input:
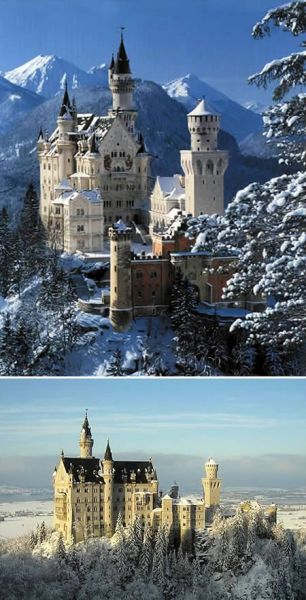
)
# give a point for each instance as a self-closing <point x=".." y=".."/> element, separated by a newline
<point x="129" y="471"/>
<point x="128" y="468"/>
<point x="122" y="64"/>
<point x="108" y="453"/>
<point x="88" y="467"/>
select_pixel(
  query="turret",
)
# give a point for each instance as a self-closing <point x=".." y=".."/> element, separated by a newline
<point x="203" y="126"/>
<point x="122" y="85"/>
<point x="211" y="484"/>
<point x="40" y="141"/>
<point x="86" y="439"/>
<point x="120" y="276"/>
<point x="66" y="147"/>
<point x="204" y="165"/>
<point x="108" y="477"/>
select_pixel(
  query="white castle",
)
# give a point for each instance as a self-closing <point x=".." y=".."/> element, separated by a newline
<point x="95" y="170"/>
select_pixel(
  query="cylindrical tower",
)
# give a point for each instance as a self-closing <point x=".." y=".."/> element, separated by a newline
<point x="203" y="126"/>
<point x="86" y="440"/>
<point x="120" y="276"/>
<point x="204" y="165"/>
<point x="120" y="81"/>
<point x="108" y="477"/>
<point x="211" y="484"/>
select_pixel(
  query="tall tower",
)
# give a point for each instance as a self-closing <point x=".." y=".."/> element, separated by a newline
<point x="120" y="276"/>
<point x="204" y="165"/>
<point x="122" y="86"/>
<point x="86" y="440"/>
<point x="66" y="147"/>
<point x="108" y="477"/>
<point x="211" y="484"/>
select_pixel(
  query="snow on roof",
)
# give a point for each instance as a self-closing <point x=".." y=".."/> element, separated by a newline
<point x="201" y="110"/>
<point x="171" y="186"/>
<point x="90" y="195"/>
<point x="64" y="185"/>
<point x="189" y="501"/>
<point x="166" y="497"/>
<point x="80" y="174"/>
<point x="120" y="225"/>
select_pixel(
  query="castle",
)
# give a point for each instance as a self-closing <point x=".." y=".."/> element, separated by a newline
<point x="95" y="170"/>
<point x="89" y="494"/>
<point x="95" y="179"/>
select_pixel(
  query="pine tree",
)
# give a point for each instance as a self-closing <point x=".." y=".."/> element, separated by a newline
<point x="60" y="550"/>
<point x="43" y="534"/>
<point x="285" y="121"/>
<point x="160" y="559"/>
<point x="146" y="552"/>
<point x="5" y="253"/>
<point x="33" y="540"/>
<point x="32" y="234"/>
<point x="114" y="368"/>
<point x="7" y="346"/>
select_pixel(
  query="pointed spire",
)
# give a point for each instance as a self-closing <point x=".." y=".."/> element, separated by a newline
<point x="112" y="63"/>
<point x="85" y="426"/>
<point x="108" y="453"/>
<point x="41" y="134"/>
<point x="62" y="454"/>
<point x="66" y="105"/>
<point x="122" y="65"/>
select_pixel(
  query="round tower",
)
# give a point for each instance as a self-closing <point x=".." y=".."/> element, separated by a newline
<point x="203" y="126"/>
<point x="86" y="439"/>
<point x="66" y="147"/>
<point x="121" y="308"/>
<point x="108" y="477"/>
<point x="204" y="165"/>
<point x="120" y="80"/>
<point x="211" y="484"/>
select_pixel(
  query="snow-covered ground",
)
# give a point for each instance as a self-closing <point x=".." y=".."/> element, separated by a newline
<point x="22" y="517"/>
<point x="98" y="345"/>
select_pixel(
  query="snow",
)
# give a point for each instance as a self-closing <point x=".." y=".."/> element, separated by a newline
<point x="236" y="119"/>
<point x="22" y="517"/>
<point x="200" y="110"/>
<point x="46" y="75"/>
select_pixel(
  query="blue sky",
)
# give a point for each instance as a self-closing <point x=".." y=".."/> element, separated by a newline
<point x="255" y="428"/>
<point x="165" y="38"/>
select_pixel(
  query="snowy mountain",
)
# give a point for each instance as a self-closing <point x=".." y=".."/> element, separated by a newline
<point x="14" y="103"/>
<point x="99" y="75"/>
<point x="235" y="119"/>
<point x="45" y="75"/>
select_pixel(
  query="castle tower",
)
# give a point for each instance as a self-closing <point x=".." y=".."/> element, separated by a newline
<point x="120" y="276"/>
<point x="86" y="440"/>
<point x="204" y="165"/>
<point x="66" y="122"/>
<point x="211" y="484"/>
<point x="122" y="85"/>
<point x="108" y="477"/>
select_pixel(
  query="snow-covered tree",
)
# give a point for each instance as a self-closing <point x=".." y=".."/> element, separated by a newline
<point x="285" y="121"/>
<point x="114" y="369"/>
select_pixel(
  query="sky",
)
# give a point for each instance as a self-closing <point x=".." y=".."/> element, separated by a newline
<point x="165" y="38"/>
<point x="255" y="428"/>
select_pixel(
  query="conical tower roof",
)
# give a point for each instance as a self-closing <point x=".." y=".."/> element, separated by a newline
<point x="108" y="453"/>
<point x="122" y="64"/>
<point x="66" y="104"/>
<point x="85" y="427"/>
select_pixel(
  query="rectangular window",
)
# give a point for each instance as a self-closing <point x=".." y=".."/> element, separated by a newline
<point x="80" y="228"/>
